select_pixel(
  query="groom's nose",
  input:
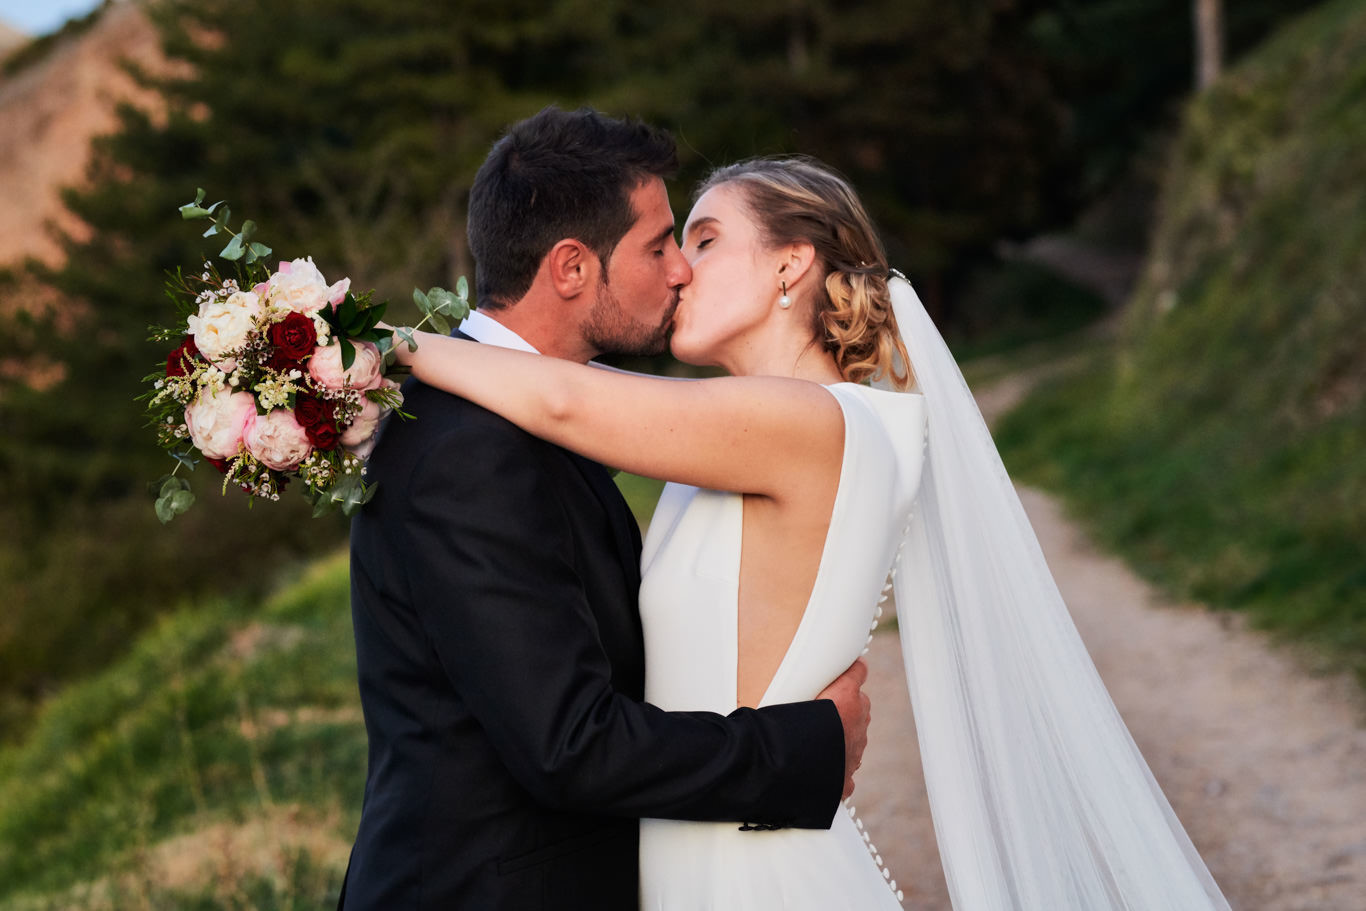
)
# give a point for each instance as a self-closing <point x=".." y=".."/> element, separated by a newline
<point x="679" y="272"/>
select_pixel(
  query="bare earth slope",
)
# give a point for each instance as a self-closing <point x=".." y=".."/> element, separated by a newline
<point x="1264" y="763"/>
<point x="50" y="111"/>
<point x="10" y="38"/>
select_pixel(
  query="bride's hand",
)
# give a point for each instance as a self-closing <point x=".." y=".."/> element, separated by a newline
<point x="398" y="336"/>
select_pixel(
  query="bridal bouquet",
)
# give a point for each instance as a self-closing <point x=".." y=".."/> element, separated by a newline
<point x="277" y="375"/>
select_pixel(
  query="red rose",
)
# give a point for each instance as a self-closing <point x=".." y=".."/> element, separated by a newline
<point x="318" y="417"/>
<point x="220" y="464"/>
<point x="175" y="361"/>
<point x="294" y="337"/>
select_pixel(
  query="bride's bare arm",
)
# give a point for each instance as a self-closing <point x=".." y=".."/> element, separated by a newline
<point x="762" y="435"/>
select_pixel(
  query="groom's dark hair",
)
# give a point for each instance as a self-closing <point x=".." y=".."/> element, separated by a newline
<point x="556" y="175"/>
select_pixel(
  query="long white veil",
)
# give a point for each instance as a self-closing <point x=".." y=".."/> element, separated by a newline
<point x="1041" y="800"/>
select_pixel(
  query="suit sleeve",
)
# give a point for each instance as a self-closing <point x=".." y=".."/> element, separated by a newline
<point x="493" y="578"/>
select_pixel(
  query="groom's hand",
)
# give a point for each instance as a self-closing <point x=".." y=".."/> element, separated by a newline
<point x="854" y="708"/>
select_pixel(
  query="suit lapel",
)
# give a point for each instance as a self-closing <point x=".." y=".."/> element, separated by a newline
<point x="624" y="528"/>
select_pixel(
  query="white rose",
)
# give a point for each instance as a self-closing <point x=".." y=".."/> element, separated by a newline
<point x="222" y="325"/>
<point x="299" y="286"/>
<point x="217" y="420"/>
<point x="278" y="440"/>
<point x="366" y="370"/>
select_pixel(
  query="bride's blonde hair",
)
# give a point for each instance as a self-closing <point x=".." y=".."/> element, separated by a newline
<point x="797" y="199"/>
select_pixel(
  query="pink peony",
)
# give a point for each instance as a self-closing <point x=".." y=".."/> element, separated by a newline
<point x="278" y="440"/>
<point x="326" y="368"/>
<point x="299" y="286"/>
<point x="217" y="420"/>
<point x="363" y="425"/>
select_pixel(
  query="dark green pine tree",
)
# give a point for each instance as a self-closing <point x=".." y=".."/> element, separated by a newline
<point x="349" y="130"/>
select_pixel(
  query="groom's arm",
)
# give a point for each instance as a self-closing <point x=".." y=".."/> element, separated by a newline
<point x="495" y="583"/>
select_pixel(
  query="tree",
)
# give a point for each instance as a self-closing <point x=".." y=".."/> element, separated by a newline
<point x="1209" y="42"/>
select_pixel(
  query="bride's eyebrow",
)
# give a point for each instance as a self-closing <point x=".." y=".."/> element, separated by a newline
<point x="693" y="227"/>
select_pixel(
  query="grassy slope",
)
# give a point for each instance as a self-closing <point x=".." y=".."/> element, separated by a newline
<point x="1220" y="446"/>
<point x="219" y="764"/>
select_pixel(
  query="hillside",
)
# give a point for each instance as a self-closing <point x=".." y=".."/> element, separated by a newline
<point x="10" y="38"/>
<point x="219" y="764"/>
<point x="50" y="110"/>
<point x="1218" y="446"/>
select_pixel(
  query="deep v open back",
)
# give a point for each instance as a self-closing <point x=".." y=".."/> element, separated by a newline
<point x="689" y="601"/>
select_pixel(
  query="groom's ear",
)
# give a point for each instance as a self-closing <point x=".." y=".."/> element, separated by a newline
<point x="572" y="268"/>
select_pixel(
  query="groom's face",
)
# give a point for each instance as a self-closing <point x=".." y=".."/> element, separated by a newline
<point x="634" y="308"/>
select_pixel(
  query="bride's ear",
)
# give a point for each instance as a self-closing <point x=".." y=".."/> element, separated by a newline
<point x="572" y="268"/>
<point x="794" y="261"/>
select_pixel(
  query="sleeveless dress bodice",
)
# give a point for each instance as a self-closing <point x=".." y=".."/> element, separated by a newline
<point x="688" y="605"/>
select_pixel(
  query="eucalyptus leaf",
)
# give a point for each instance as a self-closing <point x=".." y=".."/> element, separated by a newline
<point x="233" y="251"/>
<point x="248" y="229"/>
<point x="190" y="211"/>
<point x="261" y="250"/>
<point x="213" y="229"/>
<point x="198" y="195"/>
<point x="406" y="334"/>
<point x="182" y="500"/>
<point x="184" y="458"/>
<point x="462" y="288"/>
<point x="440" y="324"/>
<point x="165" y="512"/>
<point x="422" y="302"/>
<point x="356" y="497"/>
<point x="174" y="485"/>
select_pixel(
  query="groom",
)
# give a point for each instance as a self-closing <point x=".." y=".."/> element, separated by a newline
<point x="494" y="580"/>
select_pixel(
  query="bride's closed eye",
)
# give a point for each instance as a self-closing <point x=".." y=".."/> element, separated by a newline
<point x="704" y="241"/>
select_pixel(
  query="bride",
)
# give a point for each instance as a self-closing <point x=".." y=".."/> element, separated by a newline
<point x="802" y="497"/>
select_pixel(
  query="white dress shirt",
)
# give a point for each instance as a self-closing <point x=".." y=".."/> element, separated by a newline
<point x="483" y="328"/>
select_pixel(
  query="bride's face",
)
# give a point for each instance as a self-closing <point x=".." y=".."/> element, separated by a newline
<point x="734" y="285"/>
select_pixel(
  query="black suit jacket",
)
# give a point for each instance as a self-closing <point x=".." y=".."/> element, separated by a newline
<point x="493" y="592"/>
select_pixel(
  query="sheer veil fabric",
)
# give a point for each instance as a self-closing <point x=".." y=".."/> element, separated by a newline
<point x="1040" y="798"/>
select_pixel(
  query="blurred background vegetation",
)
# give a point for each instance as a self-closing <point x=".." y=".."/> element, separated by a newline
<point x="1024" y="158"/>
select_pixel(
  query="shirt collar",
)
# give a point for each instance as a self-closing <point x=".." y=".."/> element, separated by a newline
<point x="483" y="328"/>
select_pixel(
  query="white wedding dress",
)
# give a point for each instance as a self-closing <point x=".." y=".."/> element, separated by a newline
<point x="688" y="603"/>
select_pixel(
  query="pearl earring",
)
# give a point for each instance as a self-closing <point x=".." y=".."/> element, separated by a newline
<point x="784" y="301"/>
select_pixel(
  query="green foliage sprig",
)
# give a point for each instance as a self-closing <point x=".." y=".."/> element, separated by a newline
<point x="241" y="246"/>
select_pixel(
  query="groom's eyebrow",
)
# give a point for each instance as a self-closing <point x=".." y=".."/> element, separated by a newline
<point x="661" y="237"/>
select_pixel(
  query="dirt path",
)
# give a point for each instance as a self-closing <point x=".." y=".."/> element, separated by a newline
<point x="1264" y="763"/>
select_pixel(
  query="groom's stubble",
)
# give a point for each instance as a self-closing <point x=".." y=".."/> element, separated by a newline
<point x="611" y="330"/>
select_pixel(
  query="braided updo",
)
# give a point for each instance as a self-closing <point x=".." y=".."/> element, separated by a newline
<point x="796" y="200"/>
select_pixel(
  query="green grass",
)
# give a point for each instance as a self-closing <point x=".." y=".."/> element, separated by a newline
<point x="218" y="764"/>
<point x="222" y="716"/>
<point x="1219" y="443"/>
